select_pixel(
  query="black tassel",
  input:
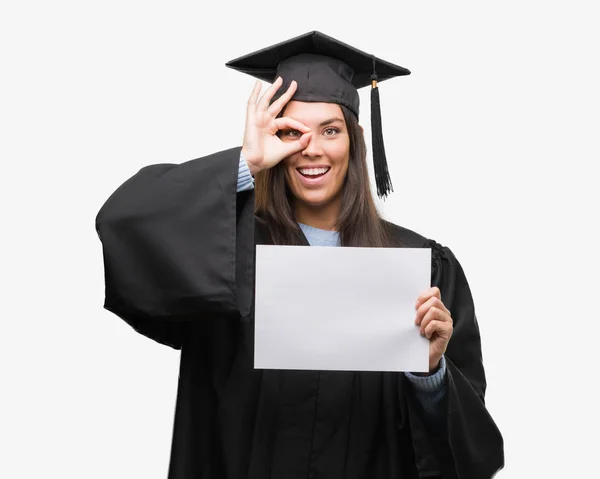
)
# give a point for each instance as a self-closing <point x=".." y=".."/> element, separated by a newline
<point x="382" y="176"/>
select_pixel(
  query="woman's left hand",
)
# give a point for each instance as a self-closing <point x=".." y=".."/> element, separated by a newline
<point x="435" y="322"/>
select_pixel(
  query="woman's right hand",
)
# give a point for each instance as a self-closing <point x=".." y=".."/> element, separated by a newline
<point x="262" y="148"/>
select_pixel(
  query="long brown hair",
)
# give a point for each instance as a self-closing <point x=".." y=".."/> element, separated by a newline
<point x="359" y="223"/>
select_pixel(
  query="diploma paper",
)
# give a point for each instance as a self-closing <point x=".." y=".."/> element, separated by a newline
<point x="344" y="309"/>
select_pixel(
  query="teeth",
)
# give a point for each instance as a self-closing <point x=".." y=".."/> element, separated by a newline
<point x="313" y="171"/>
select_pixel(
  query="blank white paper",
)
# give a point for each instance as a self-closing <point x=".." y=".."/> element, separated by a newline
<point x="340" y="309"/>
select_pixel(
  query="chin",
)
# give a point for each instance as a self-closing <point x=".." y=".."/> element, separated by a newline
<point x="314" y="201"/>
<point x="315" y="198"/>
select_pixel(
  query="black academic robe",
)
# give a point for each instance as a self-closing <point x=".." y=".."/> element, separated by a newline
<point x="179" y="248"/>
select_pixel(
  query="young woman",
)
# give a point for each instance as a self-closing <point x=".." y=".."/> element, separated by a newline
<point x="179" y="243"/>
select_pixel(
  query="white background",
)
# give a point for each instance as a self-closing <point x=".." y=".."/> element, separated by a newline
<point x="492" y="143"/>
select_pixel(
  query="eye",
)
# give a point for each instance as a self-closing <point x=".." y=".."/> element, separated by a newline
<point x="330" y="131"/>
<point x="292" y="134"/>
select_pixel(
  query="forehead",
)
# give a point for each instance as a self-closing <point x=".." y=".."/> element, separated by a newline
<point x="313" y="112"/>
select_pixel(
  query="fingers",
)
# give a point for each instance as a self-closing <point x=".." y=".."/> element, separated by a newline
<point x="250" y="109"/>
<point x="254" y="95"/>
<point x="263" y="103"/>
<point x="433" y="302"/>
<point x="429" y="293"/>
<point x="278" y="104"/>
<point x="287" y="123"/>
<point x="434" y="314"/>
<point x="442" y="329"/>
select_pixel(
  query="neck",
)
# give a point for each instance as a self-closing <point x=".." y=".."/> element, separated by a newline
<point x="322" y="217"/>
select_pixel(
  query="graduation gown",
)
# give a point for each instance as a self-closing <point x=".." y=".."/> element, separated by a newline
<point x="179" y="248"/>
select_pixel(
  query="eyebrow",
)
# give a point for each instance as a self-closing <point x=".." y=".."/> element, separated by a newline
<point x="331" y="120"/>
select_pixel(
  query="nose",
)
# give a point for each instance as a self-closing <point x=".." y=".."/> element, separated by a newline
<point x="313" y="149"/>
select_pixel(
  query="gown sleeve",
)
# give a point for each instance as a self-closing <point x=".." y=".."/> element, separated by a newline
<point x="178" y="245"/>
<point x="471" y="445"/>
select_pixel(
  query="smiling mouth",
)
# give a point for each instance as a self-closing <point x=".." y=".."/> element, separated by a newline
<point x="313" y="172"/>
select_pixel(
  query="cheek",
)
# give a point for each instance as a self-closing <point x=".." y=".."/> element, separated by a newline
<point x="340" y="155"/>
<point x="288" y="167"/>
<point x="291" y="181"/>
<point x="289" y="164"/>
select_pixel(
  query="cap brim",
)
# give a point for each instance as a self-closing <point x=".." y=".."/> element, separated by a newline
<point x="262" y="64"/>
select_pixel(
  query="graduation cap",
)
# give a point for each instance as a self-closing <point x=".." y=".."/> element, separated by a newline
<point x="327" y="70"/>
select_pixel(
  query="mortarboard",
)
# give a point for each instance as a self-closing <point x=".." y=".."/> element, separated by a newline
<point x="327" y="70"/>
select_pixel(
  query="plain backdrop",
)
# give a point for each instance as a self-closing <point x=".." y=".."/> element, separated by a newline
<point x="493" y="149"/>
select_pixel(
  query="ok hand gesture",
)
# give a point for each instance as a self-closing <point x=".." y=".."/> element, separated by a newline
<point x="261" y="147"/>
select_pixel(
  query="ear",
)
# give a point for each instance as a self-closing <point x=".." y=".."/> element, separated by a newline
<point x="362" y="129"/>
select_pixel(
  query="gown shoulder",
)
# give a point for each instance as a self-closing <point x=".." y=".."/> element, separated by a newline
<point x="441" y="256"/>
